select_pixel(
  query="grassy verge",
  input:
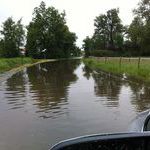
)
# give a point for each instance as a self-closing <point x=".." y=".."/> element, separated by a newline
<point x="119" y="66"/>
<point x="11" y="63"/>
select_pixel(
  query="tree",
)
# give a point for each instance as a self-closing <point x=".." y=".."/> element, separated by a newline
<point x="48" y="30"/>
<point x="143" y="10"/>
<point x="13" y="37"/>
<point x="108" y="27"/>
<point x="119" y="41"/>
<point x="114" y="25"/>
<point x="140" y="27"/>
<point x="19" y="34"/>
<point x="146" y="39"/>
<point x="1" y="48"/>
<point x="109" y="34"/>
<point x="135" y="32"/>
<point x="101" y="31"/>
<point x="88" y="45"/>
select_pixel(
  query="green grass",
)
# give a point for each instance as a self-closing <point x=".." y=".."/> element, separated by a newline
<point x="10" y="63"/>
<point x="127" y="66"/>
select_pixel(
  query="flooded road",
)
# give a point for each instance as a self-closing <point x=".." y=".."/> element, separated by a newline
<point x="54" y="101"/>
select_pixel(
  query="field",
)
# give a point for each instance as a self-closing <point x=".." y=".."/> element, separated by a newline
<point x="134" y="67"/>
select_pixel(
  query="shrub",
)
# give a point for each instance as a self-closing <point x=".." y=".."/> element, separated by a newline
<point x="103" y="53"/>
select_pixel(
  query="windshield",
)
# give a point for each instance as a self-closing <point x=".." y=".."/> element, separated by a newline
<point x="72" y="68"/>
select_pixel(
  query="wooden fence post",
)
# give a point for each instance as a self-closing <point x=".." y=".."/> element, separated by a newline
<point x="105" y="59"/>
<point x="120" y="61"/>
<point x="139" y="60"/>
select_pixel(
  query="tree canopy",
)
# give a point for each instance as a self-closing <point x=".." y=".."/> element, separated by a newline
<point x="108" y="28"/>
<point x="139" y="30"/>
<point x="12" y="38"/>
<point x="48" y="36"/>
<point x="110" y="34"/>
<point x="48" y="30"/>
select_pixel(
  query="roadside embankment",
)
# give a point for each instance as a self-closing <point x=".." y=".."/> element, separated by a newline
<point x="7" y="64"/>
<point x="10" y="66"/>
<point x="135" y="67"/>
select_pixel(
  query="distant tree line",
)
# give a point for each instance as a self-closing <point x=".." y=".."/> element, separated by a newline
<point x="46" y="36"/>
<point x="111" y="37"/>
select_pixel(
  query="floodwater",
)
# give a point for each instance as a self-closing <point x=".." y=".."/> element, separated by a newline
<point x="49" y="102"/>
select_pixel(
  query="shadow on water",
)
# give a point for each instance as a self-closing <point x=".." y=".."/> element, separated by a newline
<point x="44" y="85"/>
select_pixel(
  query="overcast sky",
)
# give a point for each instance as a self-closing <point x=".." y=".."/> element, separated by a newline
<point x="80" y="13"/>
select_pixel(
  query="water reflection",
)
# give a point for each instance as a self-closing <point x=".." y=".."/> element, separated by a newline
<point x="55" y="101"/>
<point x="141" y="96"/>
<point x="105" y="86"/>
<point x="87" y="72"/>
<point x="16" y="90"/>
<point x="109" y="86"/>
<point x="44" y="86"/>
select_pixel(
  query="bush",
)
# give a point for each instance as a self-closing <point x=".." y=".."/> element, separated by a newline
<point x="115" y="53"/>
<point x="103" y="53"/>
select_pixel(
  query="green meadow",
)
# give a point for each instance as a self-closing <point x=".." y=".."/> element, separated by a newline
<point x="134" y="67"/>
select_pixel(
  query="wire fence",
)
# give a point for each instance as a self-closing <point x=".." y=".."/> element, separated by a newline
<point x="137" y="61"/>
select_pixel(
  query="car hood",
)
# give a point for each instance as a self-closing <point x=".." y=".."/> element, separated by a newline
<point x="138" y="123"/>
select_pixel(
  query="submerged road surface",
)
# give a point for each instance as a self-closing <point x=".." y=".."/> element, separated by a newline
<point x="49" y="102"/>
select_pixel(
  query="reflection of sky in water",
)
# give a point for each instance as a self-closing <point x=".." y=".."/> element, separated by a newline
<point x="55" y="101"/>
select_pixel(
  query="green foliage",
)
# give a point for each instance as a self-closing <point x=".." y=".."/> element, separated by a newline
<point x="9" y="63"/>
<point x="101" y="31"/>
<point x="143" y="10"/>
<point x="139" y="30"/>
<point x="1" y="48"/>
<point x="132" y="40"/>
<point x="118" y="41"/>
<point x="108" y="35"/>
<point x="130" y="68"/>
<point x="108" y="27"/>
<point x="13" y="38"/>
<point x="103" y="53"/>
<point x="146" y="40"/>
<point x="88" y="45"/>
<point x="135" y="32"/>
<point x="48" y="30"/>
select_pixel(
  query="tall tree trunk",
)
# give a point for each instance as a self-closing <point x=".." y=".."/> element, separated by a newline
<point x="111" y="38"/>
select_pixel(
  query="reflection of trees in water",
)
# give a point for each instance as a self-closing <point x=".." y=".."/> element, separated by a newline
<point x="45" y="85"/>
<point x="50" y="82"/>
<point x="141" y="96"/>
<point x="109" y="86"/>
<point x="105" y="86"/>
<point x="16" y="87"/>
<point x="87" y="72"/>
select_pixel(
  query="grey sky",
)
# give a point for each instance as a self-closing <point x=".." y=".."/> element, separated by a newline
<point x="80" y="13"/>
